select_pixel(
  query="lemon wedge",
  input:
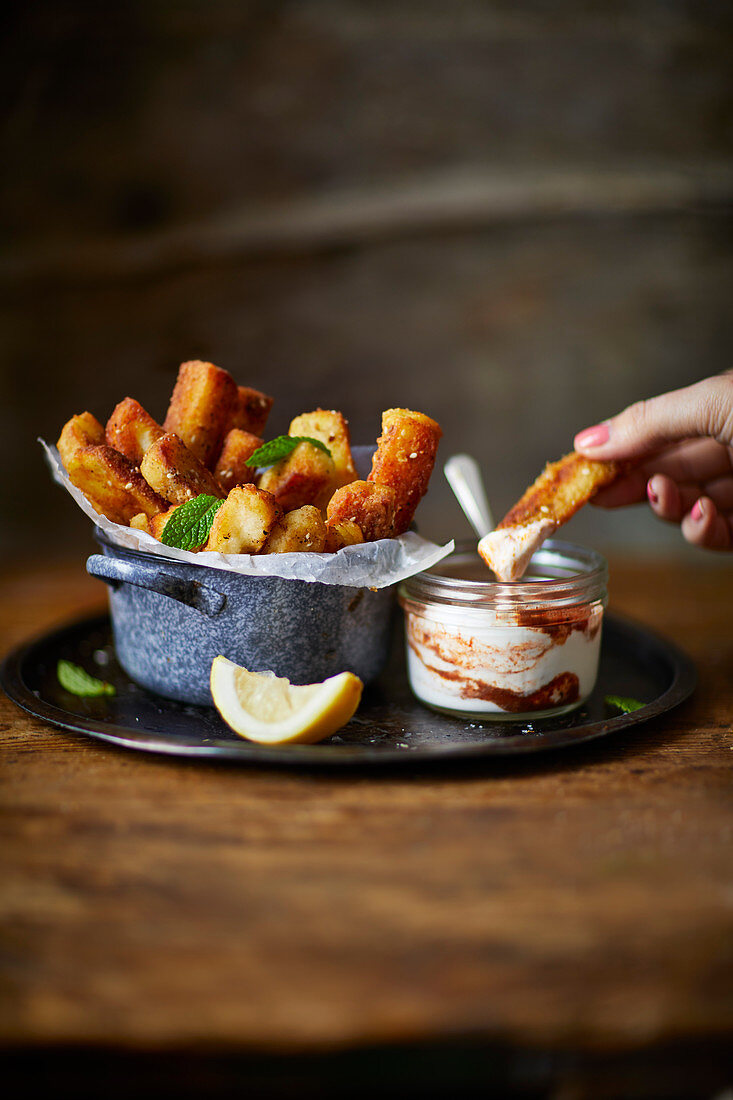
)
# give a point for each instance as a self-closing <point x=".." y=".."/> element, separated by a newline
<point x="272" y="711"/>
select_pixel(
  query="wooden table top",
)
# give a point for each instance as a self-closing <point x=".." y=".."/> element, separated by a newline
<point x="575" y="902"/>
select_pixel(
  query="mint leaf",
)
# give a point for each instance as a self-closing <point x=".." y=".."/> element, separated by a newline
<point x="270" y="453"/>
<point x="78" y="682"/>
<point x="625" y="705"/>
<point x="189" y="526"/>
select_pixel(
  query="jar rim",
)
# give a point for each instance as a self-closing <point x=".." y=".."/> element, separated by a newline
<point x="568" y="573"/>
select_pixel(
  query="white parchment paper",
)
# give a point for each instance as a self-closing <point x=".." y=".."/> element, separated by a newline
<point x="369" y="565"/>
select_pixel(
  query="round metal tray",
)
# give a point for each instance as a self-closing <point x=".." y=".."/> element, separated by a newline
<point x="390" y="728"/>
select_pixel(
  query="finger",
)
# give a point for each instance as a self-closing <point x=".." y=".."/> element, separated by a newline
<point x="720" y="491"/>
<point x="705" y="526"/>
<point x="698" y="460"/>
<point x="671" y="501"/>
<point x="704" y="409"/>
<point x="629" y="489"/>
<point x="667" y="500"/>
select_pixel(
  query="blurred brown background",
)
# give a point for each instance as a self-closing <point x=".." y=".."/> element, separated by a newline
<point x="514" y="216"/>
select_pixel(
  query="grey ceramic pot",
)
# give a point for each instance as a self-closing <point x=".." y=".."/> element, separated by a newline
<point x="171" y="619"/>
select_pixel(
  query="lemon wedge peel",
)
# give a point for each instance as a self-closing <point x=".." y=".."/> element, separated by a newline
<point x="271" y="711"/>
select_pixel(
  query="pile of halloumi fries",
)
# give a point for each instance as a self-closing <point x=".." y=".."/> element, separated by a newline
<point x="137" y="472"/>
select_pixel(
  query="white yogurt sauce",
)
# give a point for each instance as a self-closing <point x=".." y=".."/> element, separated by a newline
<point x="471" y="670"/>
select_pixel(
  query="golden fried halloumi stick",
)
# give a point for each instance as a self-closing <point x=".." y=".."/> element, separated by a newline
<point x="201" y="409"/>
<point x="157" y="523"/>
<point x="131" y="430"/>
<point x="243" y="523"/>
<point x="368" y="505"/>
<point x="561" y="489"/>
<point x="112" y="484"/>
<point x="339" y="535"/>
<point x="298" y="532"/>
<point x="231" y="466"/>
<point x="332" y="429"/>
<point x="301" y="478"/>
<point x="174" y="472"/>
<point x="251" y="410"/>
<point x="83" y="430"/>
<point x="404" y="459"/>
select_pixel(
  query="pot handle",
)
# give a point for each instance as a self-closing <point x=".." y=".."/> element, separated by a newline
<point x="114" y="572"/>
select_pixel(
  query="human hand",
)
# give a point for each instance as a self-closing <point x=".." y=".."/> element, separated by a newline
<point x="683" y="444"/>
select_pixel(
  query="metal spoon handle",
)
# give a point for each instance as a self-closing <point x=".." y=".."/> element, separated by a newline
<point x="464" y="477"/>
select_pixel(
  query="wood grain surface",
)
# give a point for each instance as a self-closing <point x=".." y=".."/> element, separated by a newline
<point x="579" y="903"/>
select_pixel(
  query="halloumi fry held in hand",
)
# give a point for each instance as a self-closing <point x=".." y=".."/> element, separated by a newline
<point x="368" y="505"/>
<point x="244" y="521"/>
<point x="112" y="484"/>
<point x="201" y="408"/>
<point x="131" y="430"/>
<point x="561" y="489"/>
<point x="404" y="460"/>
<point x="83" y="430"/>
<point x="231" y="466"/>
<point x="174" y="472"/>
<point x="302" y="531"/>
<point x="301" y="478"/>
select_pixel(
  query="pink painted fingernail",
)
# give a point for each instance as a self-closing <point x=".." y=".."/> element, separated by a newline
<point x="651" y="492"/>
<point x="698" y="512"/>
<point x="592" y="437"/>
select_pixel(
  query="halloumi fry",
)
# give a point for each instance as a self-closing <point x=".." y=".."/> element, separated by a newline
<point x="404" y="459"/>
<point x="561" y="489"/>
<point x="131" y="430"/>
<point x="112" y="484"/>
<point x="157" y="523"/>
<point x="201" y="408"/>
<point x="83" y="430"/>
<point x="174" y="472"/>
<point x="231" y="466"/>
<point x="298" y="532"/>
<point x="244" y="521"/>
<point x="339" y="535"/>
<point x="301" y="478"/>
<point x="368" y="505"/>
<point x="251" y="410"/>
<point x="141" y="522"/>
<point x="332" y="429"/>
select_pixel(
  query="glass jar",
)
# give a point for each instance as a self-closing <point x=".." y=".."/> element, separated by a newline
<point x="520" y="650"/>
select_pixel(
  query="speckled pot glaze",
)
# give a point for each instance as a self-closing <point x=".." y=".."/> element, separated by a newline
<point x="171" y="619"/>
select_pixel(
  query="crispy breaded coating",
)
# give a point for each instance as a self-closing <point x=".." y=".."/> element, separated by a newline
<point x="231" y="466"/>
<point x="157" y="523"/>
<point x="339" y="535"/>
<point x="368" y="505"/>
<point x="332" y="429"/>
<point x="298" y="532"/>
<point x="404" y="459"/>
<point x="83" y="430"/>
<point x="131" y="430"/>
<point x="202" y="406"/>
<point x="244" y="522"/>
<point x="301" y="478"/>
<point x="174" y="472"/>
<point x="251" y="410"/>
<point x="561" y="489"/>
<point x="112" y="484"/>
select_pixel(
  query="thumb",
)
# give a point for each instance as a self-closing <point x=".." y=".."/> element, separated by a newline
<point x="703" y="409"/>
